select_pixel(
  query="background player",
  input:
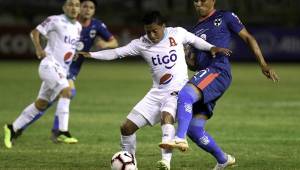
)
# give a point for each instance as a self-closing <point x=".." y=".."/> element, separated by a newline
<point x="63" y="33"/>
<point x="94" y="32"/>
<point x="212" y="79"/>
<point x="162" y="48"/>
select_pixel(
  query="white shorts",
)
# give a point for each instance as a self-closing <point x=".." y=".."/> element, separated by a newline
<point x="152" y="105"/>
<point x="54" y="79"/>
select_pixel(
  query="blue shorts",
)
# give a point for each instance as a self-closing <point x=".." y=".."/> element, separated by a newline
<point x="75" y="68"/>
<point x="212" y="82"/>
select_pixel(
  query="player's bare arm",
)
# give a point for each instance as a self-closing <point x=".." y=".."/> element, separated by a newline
<point x="253" y="45"/>
<point x="84" y="54"/>
<point x="111" y="43"/>
<point x="215" y="50"/>
<point x="190" y="58"/>
<point x="35" y="37"/>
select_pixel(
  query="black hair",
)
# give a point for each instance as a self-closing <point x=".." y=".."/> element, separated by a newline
<point x="153" y="17"/>
<point x="94" y="1"/>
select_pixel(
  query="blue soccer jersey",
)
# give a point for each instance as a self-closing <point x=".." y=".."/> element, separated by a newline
<point x="87" y="39"/>
<point x="217" y="30"/>
<point x="214" y="74"/>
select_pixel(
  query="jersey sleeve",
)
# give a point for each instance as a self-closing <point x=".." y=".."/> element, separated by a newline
<point x="131" y="49"/>
<point x="47" y="26"/>
<point x="103" y="32"/>
<point x="190" y="38"/>
<point x="233" y="22"/>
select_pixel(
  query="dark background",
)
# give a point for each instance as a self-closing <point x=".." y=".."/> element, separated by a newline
<point x="275" y="23"/>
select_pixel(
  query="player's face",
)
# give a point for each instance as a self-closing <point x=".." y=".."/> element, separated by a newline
<point x="155" y="32"/>
<point x="204" y="7"/>
<point x="72" y="8"/>
<point x="87" y="9"/>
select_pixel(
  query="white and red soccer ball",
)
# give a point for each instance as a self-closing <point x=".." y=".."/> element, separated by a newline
<point x="123" y="160"/>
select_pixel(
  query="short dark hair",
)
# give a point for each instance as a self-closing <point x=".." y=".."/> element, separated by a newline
<point x="153" y="17"/>
<point x="94" y="1"/>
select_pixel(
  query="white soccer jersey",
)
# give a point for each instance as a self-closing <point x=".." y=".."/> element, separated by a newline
<point x="62" y="36"/>
<point x="166" y="58"/>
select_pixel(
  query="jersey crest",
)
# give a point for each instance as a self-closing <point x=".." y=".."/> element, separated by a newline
<point x="217" y="22"/>
<point x="172" y="42"/>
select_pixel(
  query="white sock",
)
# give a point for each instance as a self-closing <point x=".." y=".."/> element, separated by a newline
<point x="26" y="116"/>
<point x="62" y="111"/>
<point x="128" y="143"/>
<point x="168" y="133"/>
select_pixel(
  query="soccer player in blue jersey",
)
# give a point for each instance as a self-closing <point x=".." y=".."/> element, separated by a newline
<point x="198" y="97"/>
<point x="94" y="32"/>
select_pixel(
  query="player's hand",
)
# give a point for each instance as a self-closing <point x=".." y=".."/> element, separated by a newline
<point x="40" y="53"/>
<point x="85" y="54"/>
<point x="215" y="50"/>
<point x="269" y="73"/>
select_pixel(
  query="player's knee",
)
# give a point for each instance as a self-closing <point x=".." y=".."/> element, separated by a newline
<point x="66" y="93"/>
<point x="189" y="93"/>
<point x="128" y="128"/>
<point x="41" y="104"/>
<point x="167" y="118"/>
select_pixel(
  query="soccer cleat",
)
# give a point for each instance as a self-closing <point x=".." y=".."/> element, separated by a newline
<point x="63" y="137"/>
<point x="176" y="143"/>
<point x="163" y="165"/>
<point x="10" y="135"/>
<point x="230" y="161"/>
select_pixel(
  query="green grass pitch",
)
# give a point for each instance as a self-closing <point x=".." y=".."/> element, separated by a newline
<point x="256" y="120"/>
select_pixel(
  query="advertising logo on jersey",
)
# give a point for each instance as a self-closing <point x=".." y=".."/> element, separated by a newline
<point x="71" y="41"/>
<point x="167" y="60"/>
<point x="165" y="79"/>
<point x="68" y="57"/>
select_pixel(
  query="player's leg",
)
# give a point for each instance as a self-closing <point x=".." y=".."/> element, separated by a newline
<point x="197" y="133"/>
<point x="55" y="128"/>
<point x="128" y="129"/>
<point x="187" y="96"/>
<point x="168" y="134"/>
<point x="62" y="114"/>
<point x="12" y="131"/>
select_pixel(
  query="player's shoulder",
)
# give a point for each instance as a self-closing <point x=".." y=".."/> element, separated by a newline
<point x="175" y="30"/>
<point x="98" y="23"/>
<point x="228" y="14"/>
<point x="54" y="18"/>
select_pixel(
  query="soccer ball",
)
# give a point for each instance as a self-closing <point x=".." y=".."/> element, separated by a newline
<point x="123" y="160"/>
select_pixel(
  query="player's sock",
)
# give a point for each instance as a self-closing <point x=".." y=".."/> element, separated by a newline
<point x="197" y="133"/>
<point x="40" y="114"/>
<point x="62" y="112"/>
<point x="55" y="127"/>
<point x="186" y="97"/>
<point x="128" y="143"/>
<point x="168" y="133"/>
<point x="26" y="116"/>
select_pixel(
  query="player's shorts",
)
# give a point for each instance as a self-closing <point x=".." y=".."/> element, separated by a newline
<point x="212" y="83"/>
<point x="75" y="68"/>
<point x="153" y="104"/>
<point x="54" y="80"/>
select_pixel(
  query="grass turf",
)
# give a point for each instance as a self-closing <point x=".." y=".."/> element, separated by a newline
<point x="256" y="121"/>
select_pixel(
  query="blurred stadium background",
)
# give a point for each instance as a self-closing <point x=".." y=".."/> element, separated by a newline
<point x="275" y="23"/>
<point x="256" y="120"/>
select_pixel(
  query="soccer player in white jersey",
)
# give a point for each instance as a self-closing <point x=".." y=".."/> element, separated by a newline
<point x="62" y="33"/>
<point x="162" y="48"/>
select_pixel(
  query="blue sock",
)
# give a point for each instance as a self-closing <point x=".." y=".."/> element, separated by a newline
<point x="197" y="133"/>
<point x="73" y="91"/>
<point x="186" y="98"/>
